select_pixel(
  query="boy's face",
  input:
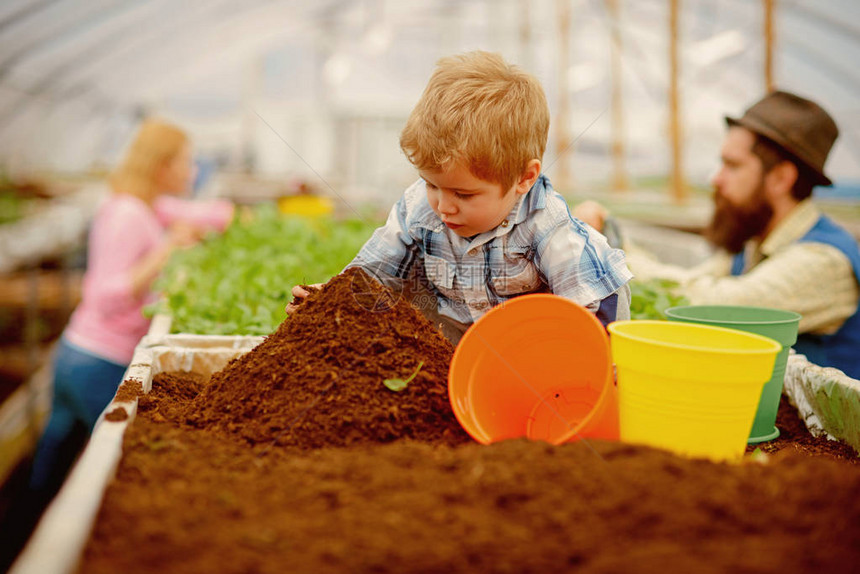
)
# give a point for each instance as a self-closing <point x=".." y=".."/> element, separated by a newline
<point x="469" y="205"/>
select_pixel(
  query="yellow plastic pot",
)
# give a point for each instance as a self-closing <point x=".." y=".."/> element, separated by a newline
<point x="692" y="389"/>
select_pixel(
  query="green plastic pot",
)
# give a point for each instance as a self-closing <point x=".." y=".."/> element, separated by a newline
<point x="776" y="324"/>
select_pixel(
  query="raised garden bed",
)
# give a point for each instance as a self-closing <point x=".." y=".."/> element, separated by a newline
<point x="196" y="500"/>
<point x="297" y="457"/>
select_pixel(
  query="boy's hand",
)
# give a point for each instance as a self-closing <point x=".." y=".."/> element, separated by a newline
<point x="299" y="293"/>
<point x="591" y="213"/>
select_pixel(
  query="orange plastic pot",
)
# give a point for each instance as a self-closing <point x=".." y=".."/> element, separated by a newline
<point x="538" y="366"/>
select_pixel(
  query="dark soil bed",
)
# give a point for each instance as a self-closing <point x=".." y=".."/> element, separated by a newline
<point x="344" y="475"/>
<point x="794" y="437"/>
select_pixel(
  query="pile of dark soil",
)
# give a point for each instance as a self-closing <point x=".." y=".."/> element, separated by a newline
<point x="318" y="379"/>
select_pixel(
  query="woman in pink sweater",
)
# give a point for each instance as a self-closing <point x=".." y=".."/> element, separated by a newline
<point x="134" y="232"/>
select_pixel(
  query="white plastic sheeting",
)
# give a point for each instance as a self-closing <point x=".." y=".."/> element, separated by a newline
<point x="827" y="400"/>
<point x="321" y="89"/>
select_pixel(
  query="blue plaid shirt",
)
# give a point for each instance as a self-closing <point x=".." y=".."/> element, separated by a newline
<point x="539" y="248"/>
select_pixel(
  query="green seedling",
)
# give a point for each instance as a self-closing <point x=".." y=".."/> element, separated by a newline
<point x="649" y="299"/>
<point x="398" y="385"/>
<point x="238" y="283"/>
<point x="758" y="455"/>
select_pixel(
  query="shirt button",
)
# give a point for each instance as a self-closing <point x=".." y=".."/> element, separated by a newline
<point x="505" y="223"/>
<point x="473" y="251"/>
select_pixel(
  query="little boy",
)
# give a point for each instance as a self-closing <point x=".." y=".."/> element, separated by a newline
<point x="483" y="225"/>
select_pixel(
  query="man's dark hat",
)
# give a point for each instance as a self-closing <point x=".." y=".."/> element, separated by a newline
<point x="799" y="126"/>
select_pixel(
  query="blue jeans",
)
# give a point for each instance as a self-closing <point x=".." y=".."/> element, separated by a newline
<point x="83" y="386"/>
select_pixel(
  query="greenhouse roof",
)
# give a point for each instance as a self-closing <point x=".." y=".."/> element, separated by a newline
<point x="76" y="75"/>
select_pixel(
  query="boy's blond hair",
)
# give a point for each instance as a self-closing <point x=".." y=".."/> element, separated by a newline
<point x="156" y="143"/>
<point x="479" y="112"/>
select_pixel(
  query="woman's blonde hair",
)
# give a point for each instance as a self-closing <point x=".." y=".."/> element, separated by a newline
<point x="156" y="143"/>
<point x="479" y="112"/>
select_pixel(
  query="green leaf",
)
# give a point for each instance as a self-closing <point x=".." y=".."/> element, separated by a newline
<point x="398" y="385"/>
<point x="650" y="299"/>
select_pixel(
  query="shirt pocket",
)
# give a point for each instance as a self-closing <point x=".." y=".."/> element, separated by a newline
<point x="441" y="274"/>
<point x="516" y="273"/>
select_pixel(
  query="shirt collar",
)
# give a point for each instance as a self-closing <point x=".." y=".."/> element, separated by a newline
<point x="795" y="225"/>
<point x="533" y="200"/>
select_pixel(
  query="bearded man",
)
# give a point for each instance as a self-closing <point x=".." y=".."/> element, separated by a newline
<point x="775" y="248"/>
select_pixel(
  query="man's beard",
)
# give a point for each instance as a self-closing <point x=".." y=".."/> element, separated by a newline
<point x="732" y="226"/>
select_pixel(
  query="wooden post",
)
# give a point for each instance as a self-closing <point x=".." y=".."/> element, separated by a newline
<point x="619" y="173"/>
<point x="31" y="343"/>
<point x="768" y="45"/>
<point x="526" y="35"/>
<point x="250" y="122"/>
<point x="562" y="124"/>
<point x="675" y="129"/>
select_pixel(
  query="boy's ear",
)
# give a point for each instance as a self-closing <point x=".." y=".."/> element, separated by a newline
<point x="529" y="177"/>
